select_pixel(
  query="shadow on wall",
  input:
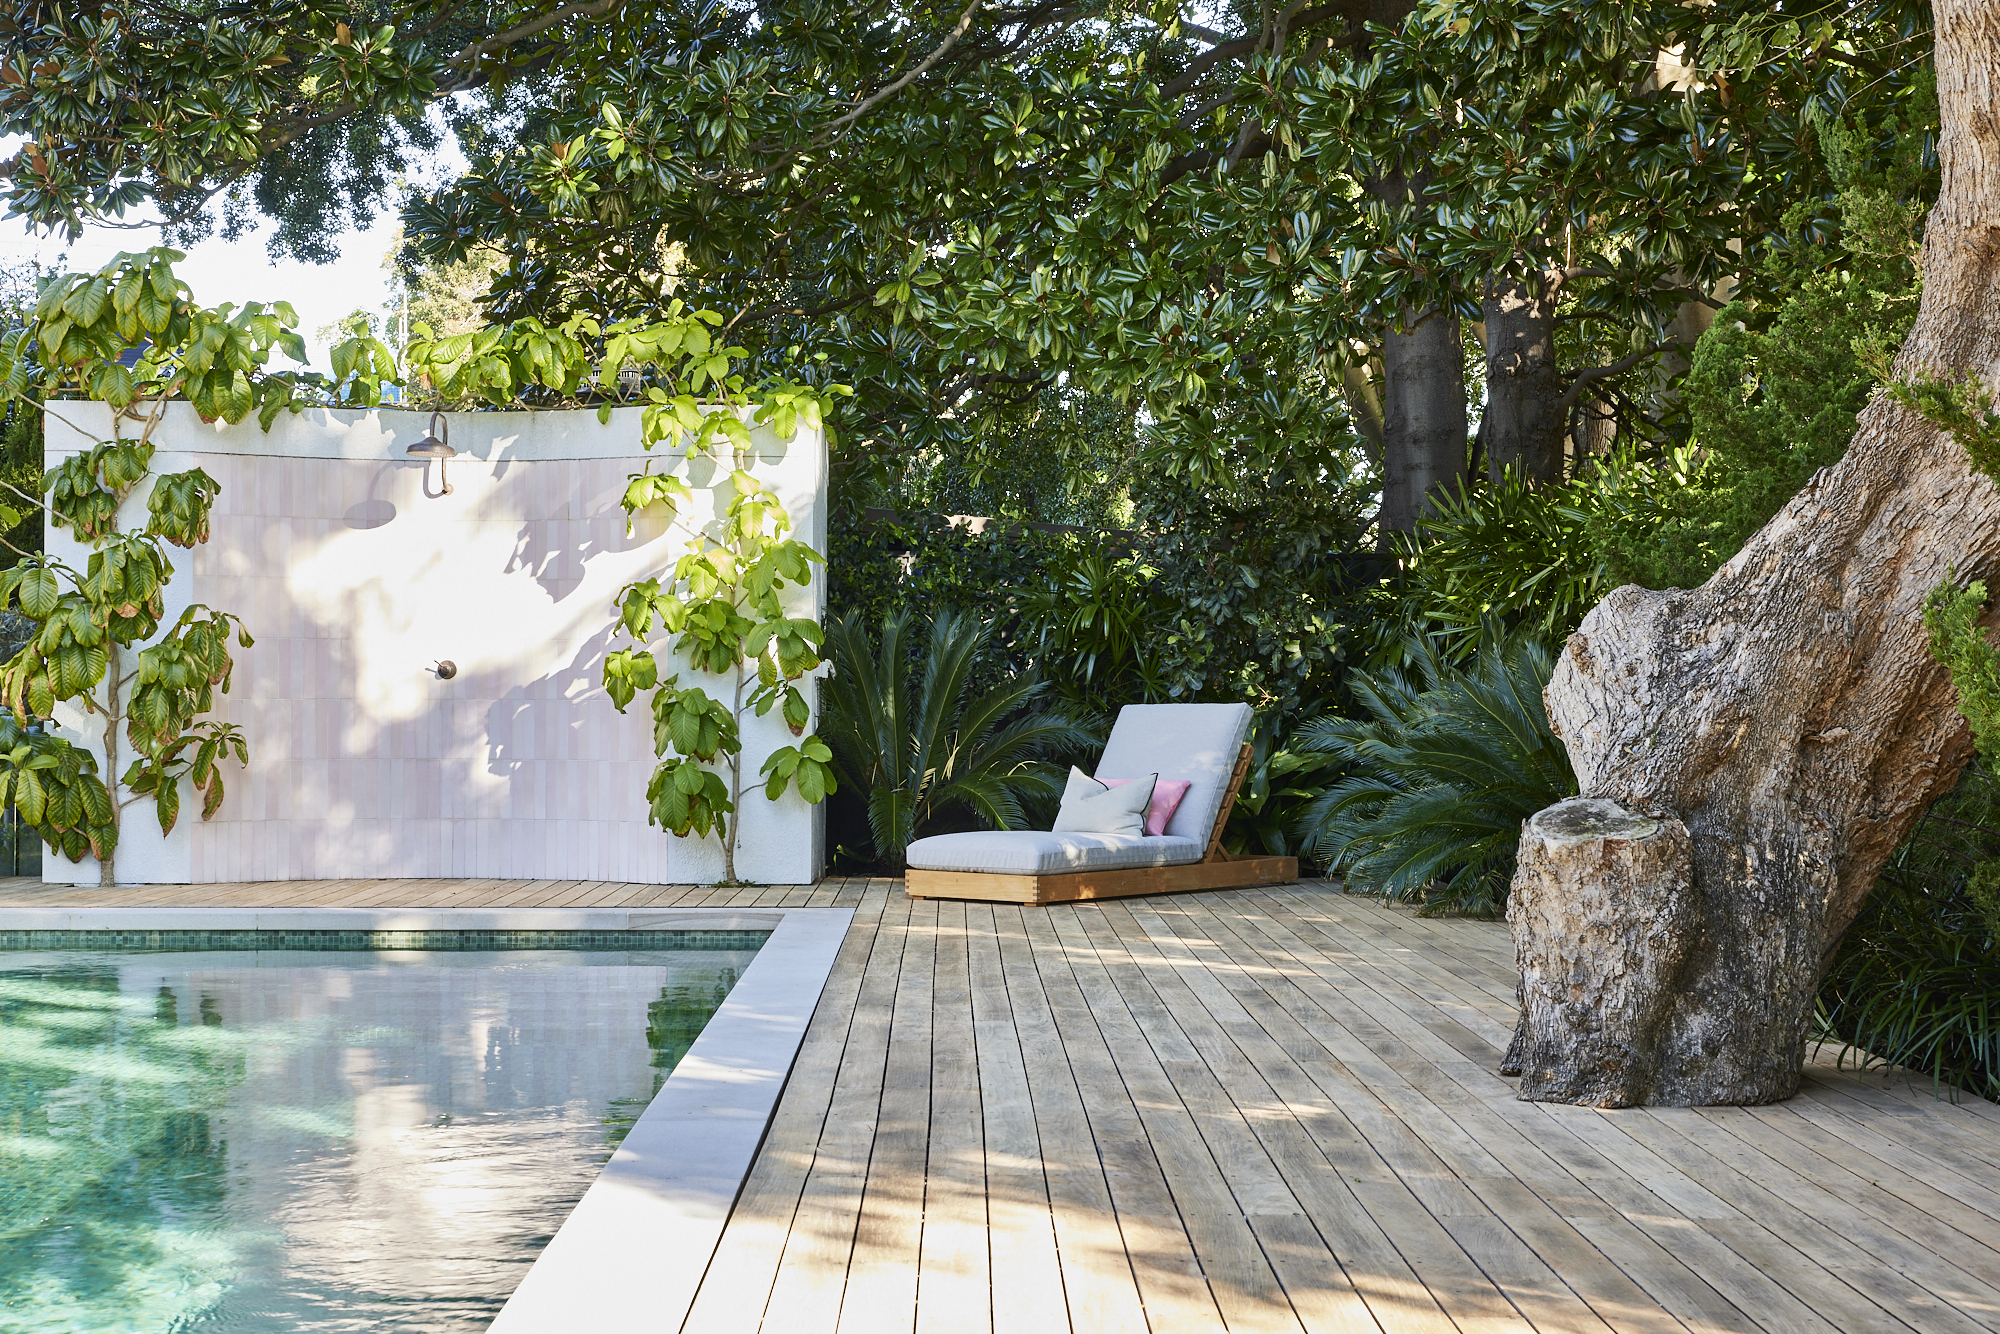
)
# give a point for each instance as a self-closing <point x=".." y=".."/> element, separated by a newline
<point x="355" y="582"/>
<point x="372" y="511"/>
<point x="559" y="568"/>
<point x="364" y="762"/>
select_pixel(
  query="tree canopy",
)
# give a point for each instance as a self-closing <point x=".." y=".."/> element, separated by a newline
<point x="955" y="207"/>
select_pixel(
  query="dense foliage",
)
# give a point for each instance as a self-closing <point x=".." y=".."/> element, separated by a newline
<point x="922" y="563"/>
<point x="20" y="425"/>
<point x="1262" y="560"/>
<point x="1916" y="983"/>
<point x="1442" y="770"/>
<point x="915" y="741"/>
<point x="1774" y="388"/>
<point x="1272" y="815"/>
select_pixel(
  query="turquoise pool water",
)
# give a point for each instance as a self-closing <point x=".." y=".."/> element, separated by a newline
<point x="243" y="1138"/>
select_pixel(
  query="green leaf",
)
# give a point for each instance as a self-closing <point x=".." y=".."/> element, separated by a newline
<point x="167" y="802"/>
<point x="39" y="593"/>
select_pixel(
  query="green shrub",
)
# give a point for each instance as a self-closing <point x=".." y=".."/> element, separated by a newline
<point x="1508" y="551"/>
<point x="1779" y="378"/>
<point x="921" y="563"/>
<point x="1280" y="786"/>
<point x="1058" y="457"/>
<point x="1091" y="628"/>
<point x="925" y="745"/>
<point x="1771" y="397"/>
<point x="1449" y="762"/>
<point x="1254" y="512"/>
<point x="1916" y="980"/>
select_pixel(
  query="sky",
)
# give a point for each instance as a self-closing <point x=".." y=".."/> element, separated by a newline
<point x="234" y="271"/>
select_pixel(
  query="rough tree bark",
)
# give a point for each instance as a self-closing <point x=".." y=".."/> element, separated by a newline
<point x="1423" y="416"/>
<point x="1523" y="421"/>
<point x="1787" y="711"/>
<point x="1605" y="908"/>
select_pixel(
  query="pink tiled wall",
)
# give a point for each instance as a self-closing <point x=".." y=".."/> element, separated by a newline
<point x="363" y="763"/>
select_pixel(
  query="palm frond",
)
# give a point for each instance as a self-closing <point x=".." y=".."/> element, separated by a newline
<point x="1448" y="763"/>
<point x="919" y="746"/>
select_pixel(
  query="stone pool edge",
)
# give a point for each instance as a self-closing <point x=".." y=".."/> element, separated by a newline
<point x="635" y="1248"/>
<point x="637" y="1245"/>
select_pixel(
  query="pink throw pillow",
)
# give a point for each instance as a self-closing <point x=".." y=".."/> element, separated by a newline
<point x="1167" y="794"/>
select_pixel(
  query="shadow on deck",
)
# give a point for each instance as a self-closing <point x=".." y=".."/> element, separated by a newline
<point x="1267" y="1110"/>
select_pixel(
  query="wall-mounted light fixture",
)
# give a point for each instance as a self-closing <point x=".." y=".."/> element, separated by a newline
<point x="446" y="669"/>
<point x="433" y="446"/>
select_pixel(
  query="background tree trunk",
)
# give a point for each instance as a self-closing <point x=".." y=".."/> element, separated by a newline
<point x="1423" y="369"/>
<point x="1361" y="386"/>
<point x="1423" y="416"/>
<point x="1788" y="712"/>
<point x="1523" y="425"/>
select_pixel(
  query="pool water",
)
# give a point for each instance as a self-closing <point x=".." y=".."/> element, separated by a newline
<point x="315" y="1140"/>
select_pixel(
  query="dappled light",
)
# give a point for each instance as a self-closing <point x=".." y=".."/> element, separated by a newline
<point x="286" y="1139"/>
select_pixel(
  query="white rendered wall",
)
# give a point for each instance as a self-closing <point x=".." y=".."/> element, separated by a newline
<point x="363" y="764"/>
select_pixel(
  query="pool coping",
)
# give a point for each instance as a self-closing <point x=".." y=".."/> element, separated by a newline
<point x="635" y="1248"/>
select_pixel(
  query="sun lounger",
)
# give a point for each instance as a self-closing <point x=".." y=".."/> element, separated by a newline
<point x="1203" y="744"/>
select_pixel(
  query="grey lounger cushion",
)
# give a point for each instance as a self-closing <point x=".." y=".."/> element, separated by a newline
<point x="1038" y="852"/>
<point x="1197" y="742"/>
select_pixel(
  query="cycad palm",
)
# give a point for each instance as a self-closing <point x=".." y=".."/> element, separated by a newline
<point x="917" y="746"/>
<point x="1449" y="763"/>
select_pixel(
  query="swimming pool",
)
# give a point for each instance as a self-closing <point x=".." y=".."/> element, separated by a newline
<point x="251" y="1131"/>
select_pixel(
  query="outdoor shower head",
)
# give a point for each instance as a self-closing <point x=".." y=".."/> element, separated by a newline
<point x="433" y="446"/>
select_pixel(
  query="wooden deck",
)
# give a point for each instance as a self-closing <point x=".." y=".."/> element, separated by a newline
<point x="1268" y="1110"/>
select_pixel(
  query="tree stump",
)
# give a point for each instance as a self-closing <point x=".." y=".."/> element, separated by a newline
<point x="1603" y="912"/>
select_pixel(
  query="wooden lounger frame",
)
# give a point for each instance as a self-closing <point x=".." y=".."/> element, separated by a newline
<point x="1216" y="870"/>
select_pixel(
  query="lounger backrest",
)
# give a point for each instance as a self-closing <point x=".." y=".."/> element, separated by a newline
<point x="1197" y="742"/>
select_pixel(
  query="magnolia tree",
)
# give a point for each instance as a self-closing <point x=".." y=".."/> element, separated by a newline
<point x="100" y="645"/>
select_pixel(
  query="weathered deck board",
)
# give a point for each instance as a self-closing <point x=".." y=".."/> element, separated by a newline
<point x="1266" y="1110"/>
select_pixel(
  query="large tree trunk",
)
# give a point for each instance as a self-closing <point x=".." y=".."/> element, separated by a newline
<point x="1423" y="416"/>
<point x="1787" y="712"/>
<point x="1523" y="423"/>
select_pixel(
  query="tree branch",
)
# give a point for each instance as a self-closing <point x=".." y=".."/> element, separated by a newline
<point x="863" y="107"/>
<point x="753" y="314"/>
<point x="584" y="9"/>
<point x="1202" y="113"/>
<point x="1241" y="46"/>
<point x="1617" y="367"/>
<point x="1201" y="34"/>
<point x="1848" y="58"/>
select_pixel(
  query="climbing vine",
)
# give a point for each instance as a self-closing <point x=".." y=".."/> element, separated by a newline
<point x="131" y="337"/>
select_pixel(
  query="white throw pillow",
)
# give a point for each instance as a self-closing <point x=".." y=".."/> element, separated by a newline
<point x="1089" y="807"/>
